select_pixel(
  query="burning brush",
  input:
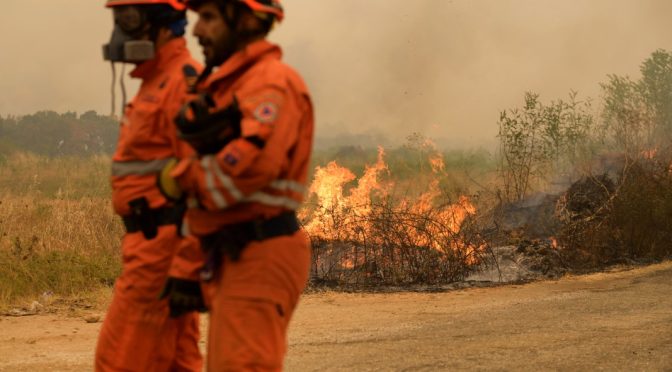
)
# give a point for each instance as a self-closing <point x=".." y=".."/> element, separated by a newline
<point x="365" y="233"/>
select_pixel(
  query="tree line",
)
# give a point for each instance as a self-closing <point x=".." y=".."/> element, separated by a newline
<point x="51" y="134"/>
<point x="632" y="117"/>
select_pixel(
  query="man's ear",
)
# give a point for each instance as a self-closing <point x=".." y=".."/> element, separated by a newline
<point x="250" y="21"/>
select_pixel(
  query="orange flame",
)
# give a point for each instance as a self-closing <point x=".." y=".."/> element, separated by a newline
<point x="649" y="154"/>
<point x="361" y="195"/>
<point x="329" y="184"/>
<point x="338" y="214"/>
<point x="554" y="242"/>
<point x="438" y="166"/>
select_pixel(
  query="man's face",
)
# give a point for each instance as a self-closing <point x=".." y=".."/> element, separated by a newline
<point x="213" y="34"/>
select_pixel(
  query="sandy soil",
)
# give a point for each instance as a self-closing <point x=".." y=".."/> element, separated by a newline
<point x="611" y="321"/>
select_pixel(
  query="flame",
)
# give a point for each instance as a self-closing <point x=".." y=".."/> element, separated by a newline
<point x="554" y="242"/>
<point x="348" y="263"/>
<point x="342" y="216"/>
<point x="329" y="184"/>
<point x="437" y="163"/>
<point x="368" y="183"/>
<point x="649" y="154"/>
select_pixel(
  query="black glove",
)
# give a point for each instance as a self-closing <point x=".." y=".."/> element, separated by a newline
<point x="183" y="296"/>
<point x="207" y="129"/>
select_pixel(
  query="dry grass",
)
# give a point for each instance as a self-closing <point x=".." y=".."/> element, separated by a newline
<point x="58" y="234"/>
<point x="24" y="174"/>
<point x="60" y="237"/>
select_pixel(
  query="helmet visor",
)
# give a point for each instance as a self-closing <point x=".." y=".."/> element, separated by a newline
<point x="129" y="18"/>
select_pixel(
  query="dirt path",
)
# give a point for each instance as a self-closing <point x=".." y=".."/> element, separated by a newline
<point x="611" y="321"/>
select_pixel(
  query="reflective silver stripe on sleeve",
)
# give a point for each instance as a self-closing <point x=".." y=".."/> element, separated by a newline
<point x="226" y="180"/>
<point x="138" y="168"/>
<point x="274" y="201"/>
<point x="217" y="197"/>
<point x="289" y="185"/>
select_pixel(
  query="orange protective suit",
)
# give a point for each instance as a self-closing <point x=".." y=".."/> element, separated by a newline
<point x="253" y="299"/>
<point x="138" y="334"/>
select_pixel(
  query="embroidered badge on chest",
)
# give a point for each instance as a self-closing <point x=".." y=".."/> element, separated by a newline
<point x="266" y="112"/>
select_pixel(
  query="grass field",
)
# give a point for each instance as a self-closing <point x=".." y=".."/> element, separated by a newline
<point x="59" y="235"/>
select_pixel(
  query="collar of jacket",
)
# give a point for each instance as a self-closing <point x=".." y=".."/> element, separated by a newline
<point x="163" y="56"/>
<point x="252" y="53"/>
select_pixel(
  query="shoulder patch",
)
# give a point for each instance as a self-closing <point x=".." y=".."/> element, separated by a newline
<point x="266" y="112"/>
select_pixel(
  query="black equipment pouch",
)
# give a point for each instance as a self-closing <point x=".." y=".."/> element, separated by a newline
<point x="143" y="218"/>
<point x="231" y="240"/>
<point x="206" y="131"/>
<point x="183" y="296"/>
<point x="147" y="220"/>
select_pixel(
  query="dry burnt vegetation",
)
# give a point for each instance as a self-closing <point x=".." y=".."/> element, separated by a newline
<point x="391" y="226"/>
<point x="395" y="244"/>
<point x="622" y="218"/>
<point x="577" y="185"/>
<point x="615" y="205"/>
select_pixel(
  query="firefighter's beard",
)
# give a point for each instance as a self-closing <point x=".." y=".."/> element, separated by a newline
<point x="217" y="51"/>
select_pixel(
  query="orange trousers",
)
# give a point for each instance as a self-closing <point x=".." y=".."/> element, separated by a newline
<point x="252" y="302"/>
<point x="138" y="334"/>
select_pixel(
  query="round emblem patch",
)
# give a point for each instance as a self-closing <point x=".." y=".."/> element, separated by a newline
<point x="266" y="112"/>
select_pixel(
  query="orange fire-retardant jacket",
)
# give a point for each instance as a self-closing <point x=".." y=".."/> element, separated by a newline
<point x="245" y="181"/>
<point x="148" y="139"/>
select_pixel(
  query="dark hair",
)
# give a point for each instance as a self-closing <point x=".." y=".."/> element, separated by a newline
<point x="164" y="16"/>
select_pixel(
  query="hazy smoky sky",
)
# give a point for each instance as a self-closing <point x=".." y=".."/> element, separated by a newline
<point x="444" y="68"/>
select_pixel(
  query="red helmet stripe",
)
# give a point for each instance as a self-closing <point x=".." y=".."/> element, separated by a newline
<point x="178" y="5"/>
<point x="255" y="5"/>
<point x="274" y="9"/>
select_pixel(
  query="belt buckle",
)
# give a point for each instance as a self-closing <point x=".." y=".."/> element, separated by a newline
<point x="258" y="229"/>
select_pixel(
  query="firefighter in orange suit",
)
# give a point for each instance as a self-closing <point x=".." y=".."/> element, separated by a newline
<point x="142" y="332"/>
<point x="252" y="129"/>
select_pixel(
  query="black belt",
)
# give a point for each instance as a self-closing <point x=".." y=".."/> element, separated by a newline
<point x="256" y="230"/>
<point x="148" y="220"/>
<point x="232" y="239"/>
